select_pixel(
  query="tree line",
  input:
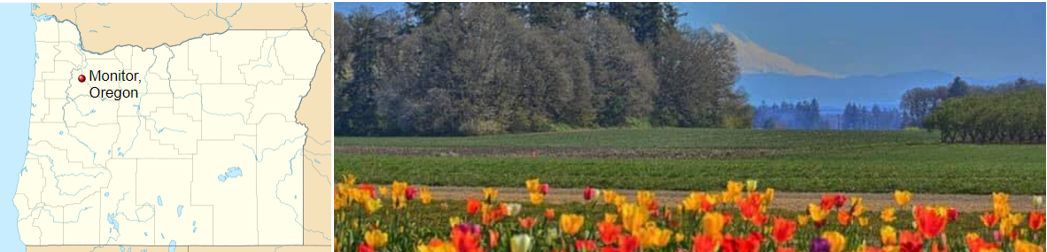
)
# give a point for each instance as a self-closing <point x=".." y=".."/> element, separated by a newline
<point x="806" y="115"/>
<point x="802" y="115"/>
<point x="1009" y="112"/>
<point x="858" y="117"/>
<point x="485" y="68"/>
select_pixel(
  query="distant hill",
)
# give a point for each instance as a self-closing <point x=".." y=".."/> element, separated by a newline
<point x="834" y="93"/>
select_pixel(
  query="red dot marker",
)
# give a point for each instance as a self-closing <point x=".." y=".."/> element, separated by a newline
<point x="81" y="78"/>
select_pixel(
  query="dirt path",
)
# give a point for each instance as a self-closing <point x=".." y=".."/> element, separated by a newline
<point x="564" y="152"/>
<point x="782" y="200"/>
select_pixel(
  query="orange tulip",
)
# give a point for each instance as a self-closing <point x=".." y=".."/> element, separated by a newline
<point x="608" y="232"/>
<point x="472" y="206"/>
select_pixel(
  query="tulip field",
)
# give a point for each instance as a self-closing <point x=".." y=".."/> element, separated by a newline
<point x="404" y="217"/>
<point x="385" y="200"/>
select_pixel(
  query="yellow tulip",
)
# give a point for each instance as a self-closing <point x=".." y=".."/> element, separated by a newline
<point x="376" y="238"/>
<point x="454" y="221"/>
<point x="1025" y="246"/>
<point x="437" y="245"/>
<point x="803" y="219"/>
<point x="521" y="243"/>
<point x="693" y="202"/>
<point x="609" y="196"/>
<point x="644" y="198"/>
<point x="887" y="215"/>
<point x="1000" y="205"/>
<point x="537" y="198"/>
<point x="863" y="221"/>
<point x="571" y="223"/>
<point x="383" y="191"/>
<point x="902" y="197"/>
<point x="857" y="207"/>
<point x="750" y="185"/>
<point x="532" y="185"/>
<point x="372" y="205"/>
<point x="650" y="236"/>
<point x="818" y="215"/>
<point x="767" y="196"/>
<point x="399" y="189"/>
<point x="733" y="192"/>
<point x="712" y="225"/>
<point x="490" y="194"/>
<point x="888" y="236"/>
<point x="425" y="195"/>
<point x="633" y="216"/>
<point x="836" y="241"/>
<point x="610" y="217"/>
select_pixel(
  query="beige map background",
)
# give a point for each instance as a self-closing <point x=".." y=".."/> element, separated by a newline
<point x="151" y="25"/>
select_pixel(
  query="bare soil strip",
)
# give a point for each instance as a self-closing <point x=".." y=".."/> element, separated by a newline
<point x="563" y="152"/>
<point x="782" y="200"/>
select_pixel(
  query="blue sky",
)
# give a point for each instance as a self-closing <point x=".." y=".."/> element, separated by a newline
<point x="981" y="40"/>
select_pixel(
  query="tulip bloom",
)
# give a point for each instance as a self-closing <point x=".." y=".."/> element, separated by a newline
<point x="975" y="243"/>
<point x="608" y="232"/>
<point x="526" y="223"/>
<point x="930" y="221"/>
<point x="902" y="197"/>
<point x="466" y="238"/>
<point x="819" y="244"/>
<point x="1036" y="220"/>
<point x="910" y="242"/>
<point x="410" y="192"/>
<point x="472" y="206"/>
<point x="536" y="198"/>
<point x="376" y="238"/>
<point x="988" y="219"/>
<point x="571" y="223"/>
<point x="490" y="194"/>
<point x="585" y="245"/>
<point x="1000" y="205"/>
<point x="1025" y="246"/>
<point x="588" y="193"/>
<point x="425" y="195"/>
<point x="836" y="241"/>
<point x="887" y="215"/>
<point x="783" y="230"/>
<point x="550" y="213"/>
<point x="704" y="243"/>
<point x="818" y="214"/>
<point x="532" y="185"/>
<point x="712" y="224"/>
<point x="888" y="236"/>
<point x="521" y="243"/>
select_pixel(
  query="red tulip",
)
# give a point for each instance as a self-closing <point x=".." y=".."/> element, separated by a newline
<point x="783" y="230"/>
<point x="364" y="248"/>
<point x="910" y="242"/>
<point x="1036" y="220"/>
<point x="585" y="245"/>
<point x="608" y="232"/>
<point x="410" y="192"/>
<point x="544" y="188"/>
<point x="588" y="193"/>
<point x="929" y="221"/>
<point x="703" y="243"/>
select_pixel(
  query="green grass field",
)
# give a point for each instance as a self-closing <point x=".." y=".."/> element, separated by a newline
<point x="819" y="162"/>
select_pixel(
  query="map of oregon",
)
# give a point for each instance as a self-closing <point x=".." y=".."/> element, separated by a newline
<point x="178" y="126"/>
